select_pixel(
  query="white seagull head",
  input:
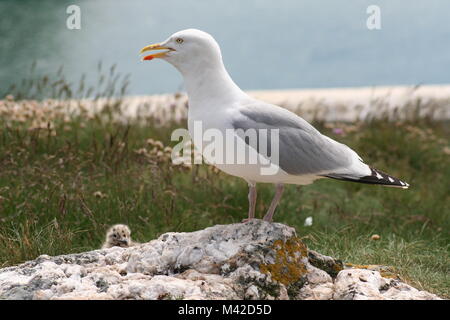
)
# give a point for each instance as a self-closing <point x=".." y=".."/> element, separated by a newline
<point x="187" y="50"/>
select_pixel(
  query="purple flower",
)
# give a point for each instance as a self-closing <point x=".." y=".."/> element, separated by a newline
<point x="338" y="131"/>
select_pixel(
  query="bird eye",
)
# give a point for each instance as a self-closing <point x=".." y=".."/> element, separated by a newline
<point x="179" y="40"/>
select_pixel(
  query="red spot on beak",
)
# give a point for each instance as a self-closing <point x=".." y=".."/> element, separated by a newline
<point x="149" y="57"/>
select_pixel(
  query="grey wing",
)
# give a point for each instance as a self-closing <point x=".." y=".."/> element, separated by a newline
<point x="302" y="149"/>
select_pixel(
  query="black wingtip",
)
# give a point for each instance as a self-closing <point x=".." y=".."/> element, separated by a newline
<point x="376" y="177"/>
<point x="380" y="177"/>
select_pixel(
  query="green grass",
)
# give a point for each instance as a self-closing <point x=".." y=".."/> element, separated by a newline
<point x="61" y="186"/>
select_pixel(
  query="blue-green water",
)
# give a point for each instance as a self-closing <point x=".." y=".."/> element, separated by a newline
<point x="265" y="44"/>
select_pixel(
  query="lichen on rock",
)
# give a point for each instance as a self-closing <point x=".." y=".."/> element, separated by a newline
<point x="290" y="261"/>
<point x="253" y="260"/>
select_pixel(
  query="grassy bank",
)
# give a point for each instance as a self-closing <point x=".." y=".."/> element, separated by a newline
<point x="65" y="179"/>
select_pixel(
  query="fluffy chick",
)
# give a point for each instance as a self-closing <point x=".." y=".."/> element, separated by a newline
<point x="118" y="235"/>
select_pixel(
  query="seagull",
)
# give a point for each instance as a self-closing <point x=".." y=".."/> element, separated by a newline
<point x="217" y="104"/>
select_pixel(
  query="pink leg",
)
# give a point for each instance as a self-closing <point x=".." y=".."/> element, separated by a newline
<point x="251" y="202"/>
<point x="278" y="192"/>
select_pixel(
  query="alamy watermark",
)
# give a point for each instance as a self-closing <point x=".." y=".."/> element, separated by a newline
<point x="73" y="21"/>
<point x="373" y="21"/>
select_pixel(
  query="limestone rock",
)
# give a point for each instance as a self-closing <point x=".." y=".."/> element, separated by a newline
<point x="253" y="260"/>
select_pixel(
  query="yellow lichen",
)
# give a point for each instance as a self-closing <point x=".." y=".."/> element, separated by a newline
<point x="288" y="267"/>
<point x="337" y="268"/>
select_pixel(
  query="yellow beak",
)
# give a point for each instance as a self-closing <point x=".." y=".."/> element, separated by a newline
<point x="152" y="47"/>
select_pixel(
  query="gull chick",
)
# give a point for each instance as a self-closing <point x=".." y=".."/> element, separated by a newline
<point x="217" y="103"/>
<point x="118" y="235"/>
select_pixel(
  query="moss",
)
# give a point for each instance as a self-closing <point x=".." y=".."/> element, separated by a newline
<point x="327" y="264"/>
<point x="294" y="288"/>
<point x="288" y="269"/>
<point x="265" y="288"/>
<point x="168" y="296"/>
<point x="268" y="288"/>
